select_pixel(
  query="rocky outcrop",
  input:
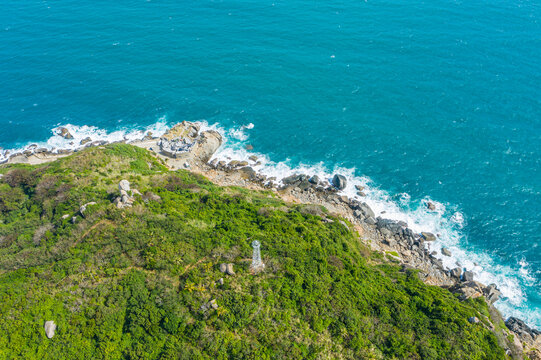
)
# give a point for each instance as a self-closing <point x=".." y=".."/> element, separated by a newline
<point x="64" y="132"/>
<point x="50" y="328"/>
<point x="339" y="182"/>
<point x="127" y="194"/>
<point x="530" y="337"/>
<point x="186" y="141"/>
<point x="473" y="289"/>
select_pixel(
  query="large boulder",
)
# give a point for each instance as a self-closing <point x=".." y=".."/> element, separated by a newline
<point x="446" y="251"/>
<point x="124" y="185"/>
<point x="207" y="144"/>
<point x="492" y="294"/>
<point x="64" y="132"/>
<point x="339" y="182"/>
<point x="50" y="328"/>
<point x="428" y="236"/>
<point x="467" y="276"/>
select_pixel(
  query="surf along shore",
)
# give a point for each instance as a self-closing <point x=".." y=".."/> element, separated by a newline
<point x="187" y="146"/>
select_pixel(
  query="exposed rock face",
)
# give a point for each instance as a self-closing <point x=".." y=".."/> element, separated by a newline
<point x="50" y="328"/>
<point x="430" y="206"/>
<point x="520" y="328"/>
<point x="124" y="185"/>
<point x="339" y="182"/>
<point x="468" y="276"/>
<point x="63" y="132"/>
<point x="456" y="272"/>
<point x="185" y="141"/>
<point x="126" y="195"/>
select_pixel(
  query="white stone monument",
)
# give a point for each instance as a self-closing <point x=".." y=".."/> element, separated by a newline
<point x="257" y="264"/>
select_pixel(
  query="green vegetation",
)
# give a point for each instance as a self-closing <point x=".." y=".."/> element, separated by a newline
<point x="130" y="283"/>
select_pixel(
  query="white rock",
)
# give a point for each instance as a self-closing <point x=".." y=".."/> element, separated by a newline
<point x="124" y="185"/>
<point x="50" y="328"/>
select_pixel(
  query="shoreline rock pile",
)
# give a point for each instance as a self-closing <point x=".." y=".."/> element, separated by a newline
<point x="186" y="141"/>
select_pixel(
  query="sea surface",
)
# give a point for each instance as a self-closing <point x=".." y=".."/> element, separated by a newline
<point x="418" y="100"/>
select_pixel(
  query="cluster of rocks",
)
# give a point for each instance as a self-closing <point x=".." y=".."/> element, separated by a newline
<point x="127" y="194"/>
<point x="227" y="269"/>
<point x="212" y="304"/>
<point x="469" y="289"/>
<point x="186" y="141"/>
<point x="530" y="339"/>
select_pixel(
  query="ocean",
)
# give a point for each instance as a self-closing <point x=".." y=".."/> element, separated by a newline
<point x="419" y="101"/>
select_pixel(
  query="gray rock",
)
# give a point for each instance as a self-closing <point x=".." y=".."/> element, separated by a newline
<point x="314" y="180"/>
<point x="213" y="304"/>
<point x="249" y="147"/>
<point x="428" y="236"/>
<point x="63" y="132"/>
<point x="467" y="276"/>
<point x="74" y="219"/>
<point x="370" y="221"/>
<point x="65" y="216"/>
<point x="83" y="208"/>
<point x="430" y="206"/>
<point x="124" y="185"/>
<point x="456" y="272"/>
<point x="446" y="251"/>
<point x="339" y="182"/>
<point x="492" y="294"/>
<point x="367" y="210"/>
<point x="85" y="141"/>
<point x="223" y="267"/>
<point x="519" y="327"/>
<point x="50" y="328"/>
<point x="253" y="158"/>
<point x="359" y="187"/>
<point x="220" y="281"/>
<point x="247" y="173"/>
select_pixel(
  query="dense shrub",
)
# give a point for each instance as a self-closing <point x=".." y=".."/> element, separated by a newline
<point x="136" y="283"/>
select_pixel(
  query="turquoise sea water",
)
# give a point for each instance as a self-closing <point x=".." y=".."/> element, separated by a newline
<point x="435" y="100"/>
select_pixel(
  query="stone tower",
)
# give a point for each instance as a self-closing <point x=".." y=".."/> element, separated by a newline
<point x="257" y="264"/>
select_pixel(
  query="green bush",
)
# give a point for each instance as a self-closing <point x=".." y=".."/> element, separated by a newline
<point x="136" y="283"/>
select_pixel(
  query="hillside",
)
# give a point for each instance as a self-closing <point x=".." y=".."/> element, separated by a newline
<point x="142" y="281"/>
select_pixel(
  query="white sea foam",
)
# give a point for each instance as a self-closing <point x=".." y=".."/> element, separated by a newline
<point x="56" y="142"/>
<point x="445" y="221"/>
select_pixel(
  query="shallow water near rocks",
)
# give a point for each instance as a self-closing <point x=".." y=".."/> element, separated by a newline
<point x="419" y="101"/>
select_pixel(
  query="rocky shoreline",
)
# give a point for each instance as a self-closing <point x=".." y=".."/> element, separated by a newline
<point x="186" y="146"/>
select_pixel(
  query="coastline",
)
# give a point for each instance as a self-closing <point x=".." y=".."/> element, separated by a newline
<point x="393" y="239"/>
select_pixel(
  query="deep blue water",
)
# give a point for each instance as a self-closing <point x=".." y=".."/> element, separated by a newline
<point x="436" y="98"/>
